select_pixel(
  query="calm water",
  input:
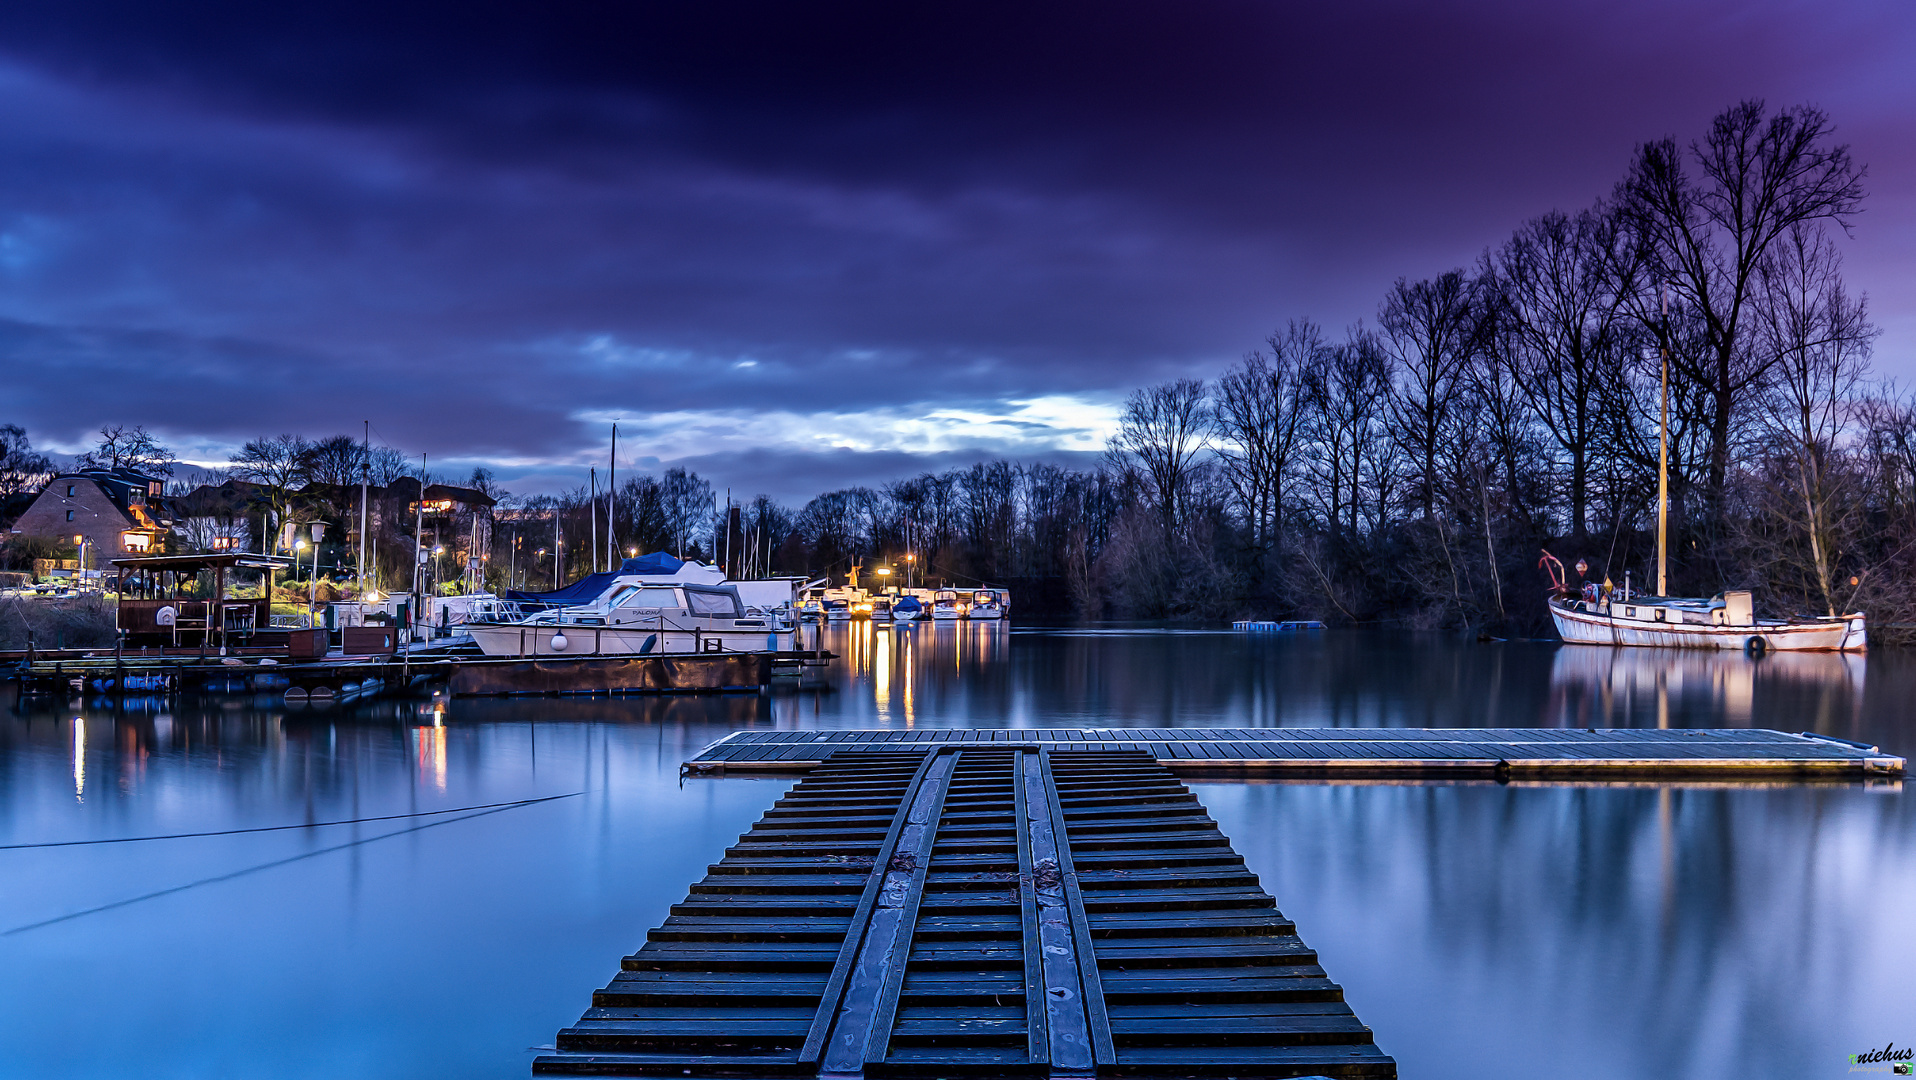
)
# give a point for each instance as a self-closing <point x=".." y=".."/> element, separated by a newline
<point x="1480" y="930"/>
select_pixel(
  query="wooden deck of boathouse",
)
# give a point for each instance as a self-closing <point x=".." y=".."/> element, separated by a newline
<point x="1384" y="753"/>
<point x="975" y="909"/>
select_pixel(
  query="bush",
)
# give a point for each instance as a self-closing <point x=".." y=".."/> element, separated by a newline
<point x="77" y="622"/>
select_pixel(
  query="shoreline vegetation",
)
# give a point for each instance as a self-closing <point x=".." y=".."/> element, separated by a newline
<point x="1408" y="471"/>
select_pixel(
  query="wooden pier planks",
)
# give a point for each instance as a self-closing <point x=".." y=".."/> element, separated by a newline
<point x="978" y="909"/>
<point x="1502" y="753"/>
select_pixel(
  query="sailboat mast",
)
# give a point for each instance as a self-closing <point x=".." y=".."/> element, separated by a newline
<point x="1663" y="454"/>
<point x="365" y="479"/>
<point x="612" y="500"/>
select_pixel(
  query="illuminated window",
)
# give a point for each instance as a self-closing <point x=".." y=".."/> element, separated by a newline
<point x="136" y="542"/>
<point x="223" y="543"/>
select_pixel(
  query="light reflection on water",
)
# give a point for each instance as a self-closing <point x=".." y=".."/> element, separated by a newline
<point x="1481" y="930"/>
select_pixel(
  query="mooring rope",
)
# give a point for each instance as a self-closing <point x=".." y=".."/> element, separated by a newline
<point x="283" y="828"/>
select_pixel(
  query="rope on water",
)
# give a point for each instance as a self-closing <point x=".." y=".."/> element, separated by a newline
<point x="282" y="828"/>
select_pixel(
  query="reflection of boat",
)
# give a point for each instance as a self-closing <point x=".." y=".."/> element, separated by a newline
<point x="639" y="619"/>
<point x="1642" y="687"/>
<point x="946" y="607"/>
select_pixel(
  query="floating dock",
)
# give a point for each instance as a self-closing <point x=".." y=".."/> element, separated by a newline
<point x="979" y="909"/>
<point x="1368" y="753"/>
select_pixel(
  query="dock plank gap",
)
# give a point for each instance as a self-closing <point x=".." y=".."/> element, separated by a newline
<point x="975" y="909"/>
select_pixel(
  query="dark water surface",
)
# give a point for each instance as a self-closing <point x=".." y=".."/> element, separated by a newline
<point x="1481" y="930"/>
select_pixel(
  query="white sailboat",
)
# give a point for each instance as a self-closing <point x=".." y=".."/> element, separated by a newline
<point x="1597" y="615"/>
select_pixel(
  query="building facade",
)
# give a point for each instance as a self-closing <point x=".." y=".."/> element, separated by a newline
<point x="108" y="513"/>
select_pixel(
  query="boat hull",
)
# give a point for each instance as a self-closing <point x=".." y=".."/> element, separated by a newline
<point x="1846" y="634"/>
<point x="509" y="639"/>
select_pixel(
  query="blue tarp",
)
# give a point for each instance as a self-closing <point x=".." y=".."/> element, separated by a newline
<point x="587" y="588"/>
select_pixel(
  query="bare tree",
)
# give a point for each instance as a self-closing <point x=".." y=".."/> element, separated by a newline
<point x="121" y="447"/>
<point x="1163" y="430"/>
<point x="1258" y="420"/>
<point x="1346" y="393"/>
<point x="21" y="469"/>
<point x="1432" y="331"/>
<point x="1821" y="340"/>
<point x="1707" y="236"/>
<point x="387" y="466"/>
<point x="335" y="461"/>
<point x="278" y="464"/>
<point x="1561" y="280"/>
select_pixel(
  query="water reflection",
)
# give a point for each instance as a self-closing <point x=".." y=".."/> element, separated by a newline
<point x="1601" y="686"/>
<point x="1638" y="933"/>
<point x="1482" y="930"/>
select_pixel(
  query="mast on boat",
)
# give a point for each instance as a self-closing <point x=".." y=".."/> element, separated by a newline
<point x="1663" y="453"/>
<point x="612" y="500"/>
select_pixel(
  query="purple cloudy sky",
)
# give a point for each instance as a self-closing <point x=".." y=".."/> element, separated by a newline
<point x="801" y="245"/>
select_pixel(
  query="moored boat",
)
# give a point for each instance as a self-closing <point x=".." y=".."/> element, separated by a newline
<point x="1726" y="622"/>
<point x="986" y="604"/>
<point x="638" y="620"/>
<point x="946" y="607"/>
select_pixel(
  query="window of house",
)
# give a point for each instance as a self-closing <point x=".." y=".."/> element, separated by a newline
<point x="69" y="491"/>
<point x="136" y="542"/>
<point x="69" y="515"/>
<point x="222" y="543"/>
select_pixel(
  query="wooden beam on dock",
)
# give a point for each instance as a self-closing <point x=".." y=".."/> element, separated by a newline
<point x="1367" y="753"/>
<point x="975" y="910"/>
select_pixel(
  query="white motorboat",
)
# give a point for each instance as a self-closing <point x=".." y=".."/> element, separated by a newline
<point x="637" y="619"/>
<point x="1726" y="622"/>
<point x="986" y="604"/>
<point x="946" y="607"/>
<point x="879" y="609"/>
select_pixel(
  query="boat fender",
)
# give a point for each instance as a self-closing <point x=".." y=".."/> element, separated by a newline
<point x="1756" y="646"/>
<point x="558" y="641"/>
<point x="650" y="641"/>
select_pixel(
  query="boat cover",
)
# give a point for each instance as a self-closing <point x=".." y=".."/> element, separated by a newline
<point x="587" y="589"/>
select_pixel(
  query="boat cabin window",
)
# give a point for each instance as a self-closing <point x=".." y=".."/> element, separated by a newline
<point x="648" y="598"/>
<point x="721" y="604"/>
<point x="1659" y="614"/>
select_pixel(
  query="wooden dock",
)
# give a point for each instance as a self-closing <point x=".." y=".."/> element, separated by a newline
<point x="1367" y="753"/>
<point x="989" y="908"/>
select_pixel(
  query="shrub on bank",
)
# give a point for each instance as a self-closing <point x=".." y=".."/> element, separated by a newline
<point x="75" y="622"/>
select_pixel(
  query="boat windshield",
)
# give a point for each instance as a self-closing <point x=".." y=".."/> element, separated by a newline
<point x="649" y="598"/>
<point x="723" y="604"/>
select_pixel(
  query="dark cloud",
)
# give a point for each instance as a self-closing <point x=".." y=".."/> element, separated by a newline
<point x="491" y="230"/>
